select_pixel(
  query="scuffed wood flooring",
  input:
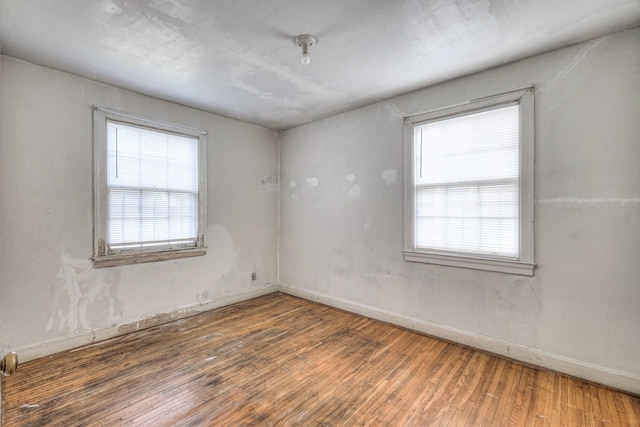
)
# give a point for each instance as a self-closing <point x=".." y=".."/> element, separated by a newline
<point x="280" y="360"/>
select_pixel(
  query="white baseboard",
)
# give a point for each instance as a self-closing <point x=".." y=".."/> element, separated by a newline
<point x="598" y="374"/>
<point x="92" y="336"/>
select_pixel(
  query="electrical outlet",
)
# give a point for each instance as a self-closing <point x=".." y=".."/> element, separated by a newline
<point x="253" y="276"/>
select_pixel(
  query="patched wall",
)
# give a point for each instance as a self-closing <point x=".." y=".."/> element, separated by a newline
<point x="342" y="239"/>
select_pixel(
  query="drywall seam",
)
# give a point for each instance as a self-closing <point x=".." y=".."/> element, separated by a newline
<point x="566" y="200"/>
<point x="598" y="374"/>
<point x="55" y="346"/>
<point x="581" y="56"/>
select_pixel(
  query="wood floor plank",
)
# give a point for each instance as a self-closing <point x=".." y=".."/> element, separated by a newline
<point x="490" y="397"/>
<point x="280" y="360"/>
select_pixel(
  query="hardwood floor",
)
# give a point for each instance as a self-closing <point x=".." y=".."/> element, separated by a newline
<point x="280" y="360"/>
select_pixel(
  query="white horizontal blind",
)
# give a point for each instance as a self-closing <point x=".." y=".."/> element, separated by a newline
<point x="152" y="184"/>
<point x="467" y="184"/>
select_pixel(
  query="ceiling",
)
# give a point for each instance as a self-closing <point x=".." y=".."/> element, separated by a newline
<point x="238" y="59"/>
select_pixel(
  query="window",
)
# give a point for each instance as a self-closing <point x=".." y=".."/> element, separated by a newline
<point x="469" y="193"/>
<point x="149" y="190"/>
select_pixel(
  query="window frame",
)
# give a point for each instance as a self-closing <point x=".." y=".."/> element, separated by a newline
<point x="524" y="264"/>
<point x="100" y="191"/>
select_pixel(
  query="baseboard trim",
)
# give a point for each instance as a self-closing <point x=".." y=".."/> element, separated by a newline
<point x="598" y="374"/>
<point x="93" y="336"/>
<point x="594" y="373"/>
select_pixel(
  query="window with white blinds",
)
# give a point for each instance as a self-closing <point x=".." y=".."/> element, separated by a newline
<point x="470" y="198"/>
<point x="152" y="180"/>
<point x="466" y="183"/>
<point x="149" y="191"/>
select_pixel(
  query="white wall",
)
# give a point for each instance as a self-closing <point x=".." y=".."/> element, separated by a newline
<point x="49" y="289"/>
<point x="342" y="217"/>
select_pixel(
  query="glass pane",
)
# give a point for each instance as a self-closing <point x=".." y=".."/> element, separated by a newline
<point x="152" y="179"/>
<point x="475" y="147"/>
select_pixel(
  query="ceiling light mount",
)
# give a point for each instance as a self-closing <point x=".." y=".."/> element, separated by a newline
<point x="305" y="41"/>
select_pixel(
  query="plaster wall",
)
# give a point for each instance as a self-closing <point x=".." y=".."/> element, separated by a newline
<point x="49" y="289"/>
<point x="342" y="213"/>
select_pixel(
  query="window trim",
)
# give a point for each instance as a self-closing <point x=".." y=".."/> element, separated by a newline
<point x="100" y="257"/>
<point x="524" y="264"/>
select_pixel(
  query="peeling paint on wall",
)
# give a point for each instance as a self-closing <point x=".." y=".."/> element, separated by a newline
<point x="98" y="302"/>
<point x="271" y="184"/>
<point x="354" y="192"/>
<point x="84" y="297"/>
<point x="292" y="189"/>
<point x="226" y="255"/>
<point x="65" y="313"/>
<point x="389" y="176"/>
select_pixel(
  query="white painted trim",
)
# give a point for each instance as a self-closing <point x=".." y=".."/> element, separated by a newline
<point x="465" y="103"/>
<point x="101" y="255"/>
<point x="476" y="263"/>
<point x="93" y="336"/>
<point x="142" y="257"/>
<point x="525" y="263"/>
<point x="527" y="176"/>
<point x="146" y="121"/>
<point x="598" y="374"/>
